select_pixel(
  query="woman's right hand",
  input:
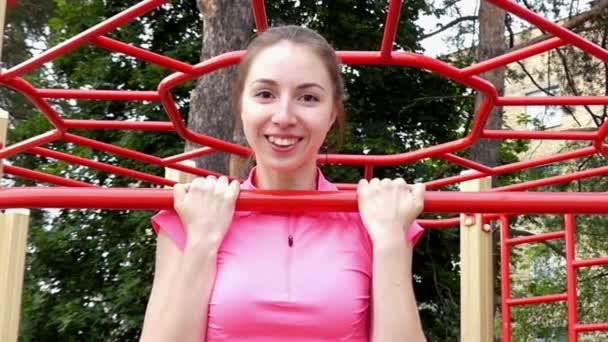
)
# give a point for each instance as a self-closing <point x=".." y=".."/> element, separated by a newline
<point x="206" y="207"/>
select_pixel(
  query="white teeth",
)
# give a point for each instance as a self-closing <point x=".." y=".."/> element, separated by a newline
<point x="282" y="141"/>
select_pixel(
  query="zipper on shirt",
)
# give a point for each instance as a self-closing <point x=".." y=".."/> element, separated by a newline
<point x="290" y="252"/>
<point x="290" y="240"/>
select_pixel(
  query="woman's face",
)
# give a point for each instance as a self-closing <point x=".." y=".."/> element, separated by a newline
<point x="287" y="106"/>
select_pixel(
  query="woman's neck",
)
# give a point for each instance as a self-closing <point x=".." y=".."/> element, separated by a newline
<point x="304" y="178"/>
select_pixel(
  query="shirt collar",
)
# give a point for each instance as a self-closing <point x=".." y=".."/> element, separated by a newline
<point x="322" y="183"/>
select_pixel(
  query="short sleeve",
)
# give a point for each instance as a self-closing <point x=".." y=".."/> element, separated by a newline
<point x="414" y="233"/>
<point x="170" y="223"/>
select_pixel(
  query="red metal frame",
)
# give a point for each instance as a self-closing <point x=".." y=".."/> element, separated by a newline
<point x="498" y="203"/>
<point x="572" y="264"/>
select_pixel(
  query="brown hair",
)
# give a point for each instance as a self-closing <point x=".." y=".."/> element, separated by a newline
<point x="296" y="35"/>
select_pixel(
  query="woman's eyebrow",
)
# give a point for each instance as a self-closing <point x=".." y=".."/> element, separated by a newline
<point x="310" y="85"/>
<point x="275" y="83"/>
<point x="265" y="81"/>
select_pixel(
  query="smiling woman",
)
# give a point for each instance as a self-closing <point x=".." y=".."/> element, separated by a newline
<point x="287" y="109"/>
<point x="252" y="276"/>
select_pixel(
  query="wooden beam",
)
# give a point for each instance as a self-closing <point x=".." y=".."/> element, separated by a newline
<point x="3" y="133"/>
<point x="180" y="176"/>
<point x="3" y="5"/>
<point x="476" y="272"/>
<point x="13" y="243"/>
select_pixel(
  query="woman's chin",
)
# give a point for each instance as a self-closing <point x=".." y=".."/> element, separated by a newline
<point x="285" y="165"/>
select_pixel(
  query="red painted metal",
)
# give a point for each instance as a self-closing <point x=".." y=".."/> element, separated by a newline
<point x="112" y="95"/>
<point x="259" y="14"/>
<point x="25" y="145"/>
<point x="505" y="279"/>
<point x="569" y="224"/>
<point x="540" y="135"/>
<point x="467" y="163"/>
<point x="189" y="155"/>
<point x="591" y="327"/>
<point x="121" y="125"/>
<point x="82" y="38"/>
<point x="535" y="238"/>
<point x="68" y="158"/>
<point x="513" y="56"/>
<point x="42" y="177"/>
<point x="537" y="300"/>
<point x="552" y="100"/>
<point x="259" y="200"/>
<point x="499" y="203"/>
<point x="144" y="55"/>
<point x="390" y="28"/>
<point x="590" y="262"/>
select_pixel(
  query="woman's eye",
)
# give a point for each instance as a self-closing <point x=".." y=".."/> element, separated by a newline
<point x="264" y="94"/>
<point x="309" y="98"/>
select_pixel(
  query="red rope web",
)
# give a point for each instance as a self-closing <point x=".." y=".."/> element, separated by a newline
<point x="499" y="202"/>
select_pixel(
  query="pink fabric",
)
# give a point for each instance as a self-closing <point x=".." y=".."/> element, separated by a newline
<point x="289" y="277"/>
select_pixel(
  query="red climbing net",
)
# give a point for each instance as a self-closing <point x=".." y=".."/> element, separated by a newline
<point x="498" y="203"/>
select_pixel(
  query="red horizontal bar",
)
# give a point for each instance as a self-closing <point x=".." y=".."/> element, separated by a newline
<point x="435" y="201"/>
<point x="25" y="145"/>
<point x="102" y="166"/>
<point x="123" y="152"/>
<point x="409" y="59"/>
<point x="557" y="30"/>
<point x="535" y="238"/>
<point x="195" y="170"/>
<point x="583" y="152"/>
<point x="591" y="327"/>
<point x="466" y="163"/>
<point x="453" y="222"/>
<point x="82" y="38"/>
<point x="590" y="262"/>
<point x="145" y="55"/>
<point x="552" y="100"/>
<point x="120" y="125"/>
<point x="537" y="299"/>
<point x="395" y="159"/>
<point x="599" y="171"/>
<point x="42" y="177"/>
<point x="513" y="56"/>
<point x="123" y="95"/>
<point x="540" y="135"/>
<point x="189" y="155"/>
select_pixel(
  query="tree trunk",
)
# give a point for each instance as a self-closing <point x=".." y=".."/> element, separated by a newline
<point x="491" y="43"/>
<point x="227" y="26"/>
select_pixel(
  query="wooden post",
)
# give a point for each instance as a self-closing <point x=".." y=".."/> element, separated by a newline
<point x="180" y="176"/>
<point x="3" y="4"/>
<point x="476" y="272"/>
<point x="13" y="244"/>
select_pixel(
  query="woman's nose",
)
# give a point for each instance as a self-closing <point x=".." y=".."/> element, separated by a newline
<point x="283" y="116"/>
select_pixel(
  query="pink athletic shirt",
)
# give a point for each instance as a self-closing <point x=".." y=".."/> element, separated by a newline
<point x="299" y="277"/>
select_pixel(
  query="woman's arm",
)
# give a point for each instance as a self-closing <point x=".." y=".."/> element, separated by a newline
<point x="178" y="305"/>
<point x="388" y="208"/>
<point x="394" y="311"/>
<point x="183" y="280"/>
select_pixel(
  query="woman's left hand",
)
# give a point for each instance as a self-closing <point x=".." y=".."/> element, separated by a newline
<point x="389" y="207"/>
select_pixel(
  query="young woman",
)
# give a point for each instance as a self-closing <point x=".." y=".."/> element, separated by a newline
<point x="233" y="276"/>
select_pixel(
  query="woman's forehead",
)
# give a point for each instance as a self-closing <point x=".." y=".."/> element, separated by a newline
<point x="288" y="62"/>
